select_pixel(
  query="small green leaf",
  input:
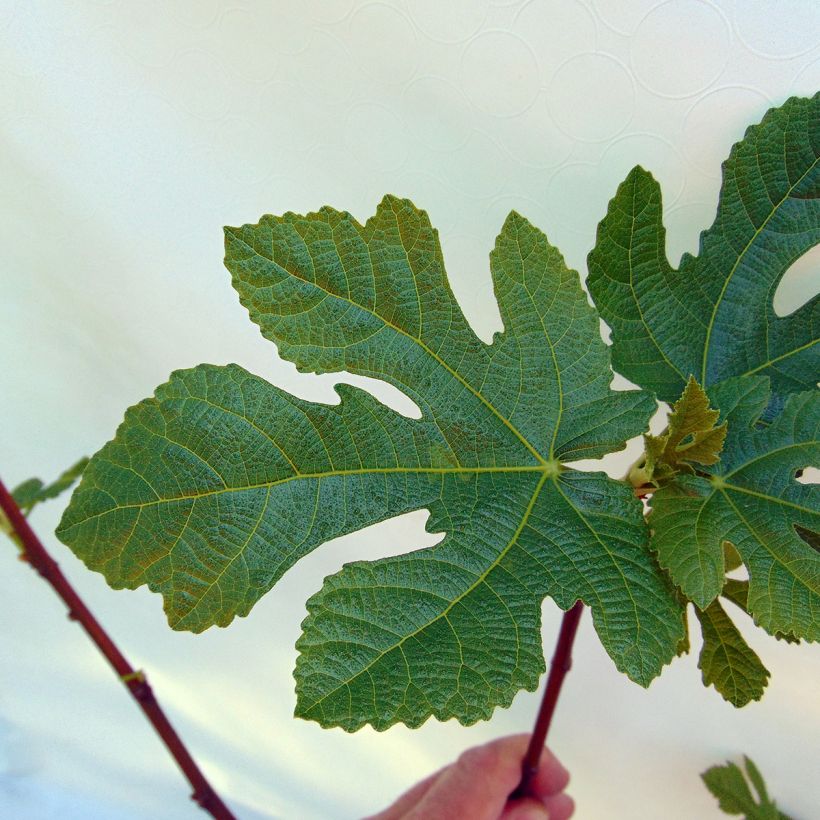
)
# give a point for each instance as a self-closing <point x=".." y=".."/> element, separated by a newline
<point x="32" y="491"/>
<point x="27" y="493"/>
<point x="713" y="317"/>
<point x="728" y="784"/>
<point x="212" y="489"/>
<point x="692" y="436"/>
<point x="751" y="498"/>
<point x="728" y="663"/>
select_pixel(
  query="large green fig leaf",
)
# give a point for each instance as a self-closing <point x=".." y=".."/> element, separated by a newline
<point x="218" y="484"/>
<point x="713" y="317"/>
<point x="752" y="499"/>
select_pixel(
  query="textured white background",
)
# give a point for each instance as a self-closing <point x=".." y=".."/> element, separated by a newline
<point x="131" y="132"/>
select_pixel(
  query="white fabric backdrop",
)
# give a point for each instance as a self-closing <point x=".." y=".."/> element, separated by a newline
<point x="131" y="132"/>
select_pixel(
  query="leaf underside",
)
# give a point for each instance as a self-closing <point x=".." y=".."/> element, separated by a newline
<point x="737" y="591"/>
<point x="727" y="662"/>
<point x="729" y="785"/>
<point x="752" y="499"/>
<point x="713" y="317"/>
<point x="218" y="484"/>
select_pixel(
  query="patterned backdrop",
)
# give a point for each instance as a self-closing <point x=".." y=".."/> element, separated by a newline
<point x="131" y="132"/>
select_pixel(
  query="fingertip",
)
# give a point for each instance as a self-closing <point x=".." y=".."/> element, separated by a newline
<point x="551" y="777"/>
<point x="559" y="807"/>
<point x="526" y="809"/>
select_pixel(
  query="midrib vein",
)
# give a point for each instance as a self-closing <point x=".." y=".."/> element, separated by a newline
<point x="770" y="362"/>
<point x="771" y="498"/>
<point x="535" y="468"/>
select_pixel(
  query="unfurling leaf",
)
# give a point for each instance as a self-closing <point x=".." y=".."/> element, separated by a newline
<point x="32" y="491"/>
<point x="713" y="317"/>
<point x="728" y="663"/>
<point x="218" y="484"/>
<point x="751" y="499"/>
<point x="734" y="795"/>
<point x="692" y="436"/>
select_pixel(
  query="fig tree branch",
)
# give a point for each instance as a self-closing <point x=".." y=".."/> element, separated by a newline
<point x="33" y="551"/>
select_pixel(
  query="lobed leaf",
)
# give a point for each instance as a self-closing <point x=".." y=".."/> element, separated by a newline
<point x="713" y="317"/>
<point x="751" y="499"/>
<point x="214" y="487"/>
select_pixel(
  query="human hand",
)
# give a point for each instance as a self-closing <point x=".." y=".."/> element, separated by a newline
<point x="478" y="785"/>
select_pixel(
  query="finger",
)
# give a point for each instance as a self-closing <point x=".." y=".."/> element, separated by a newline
<point x="526" y="809"/>
<point x="477" y="784"/>
<point x="559" y="806"/>
<point x="550" y="778"/>
<point x="408" y="800"/>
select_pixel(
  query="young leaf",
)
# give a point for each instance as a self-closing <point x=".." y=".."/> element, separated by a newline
<point x="713" y="317"/>
<point x="32" y="491"/>
<point x="728" y="663"/>
<point x="751" y="498"/>
<point x="692" y="436"/>
<point x="729" y="785"/>
<point x="212" y="489"/>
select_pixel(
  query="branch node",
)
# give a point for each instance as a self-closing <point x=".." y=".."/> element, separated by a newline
<point x="203" y="797"/>
<point x="137" y="675"/>
<point x="140" y="687"/>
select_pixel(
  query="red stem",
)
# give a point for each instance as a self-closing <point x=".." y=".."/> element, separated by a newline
<point x="561" y="664"/>
<point x="35" y="553"/>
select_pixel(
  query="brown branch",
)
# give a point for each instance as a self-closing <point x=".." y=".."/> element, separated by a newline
<point x="561" y="664"/>
<point x="135" y="681"/>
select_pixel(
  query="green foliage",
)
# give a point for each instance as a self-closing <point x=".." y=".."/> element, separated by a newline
<point x="218" y="484"/>
<point x="729" y="785"/>
<point x="692" y="436"/>
<point x="737" y="592"/>
<point x="728" y="663"/>
<point x="215" y="486"/>
<point x="713" y="317"/>
<point x="752" y="499"/>
<point x="33" y="492"/>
